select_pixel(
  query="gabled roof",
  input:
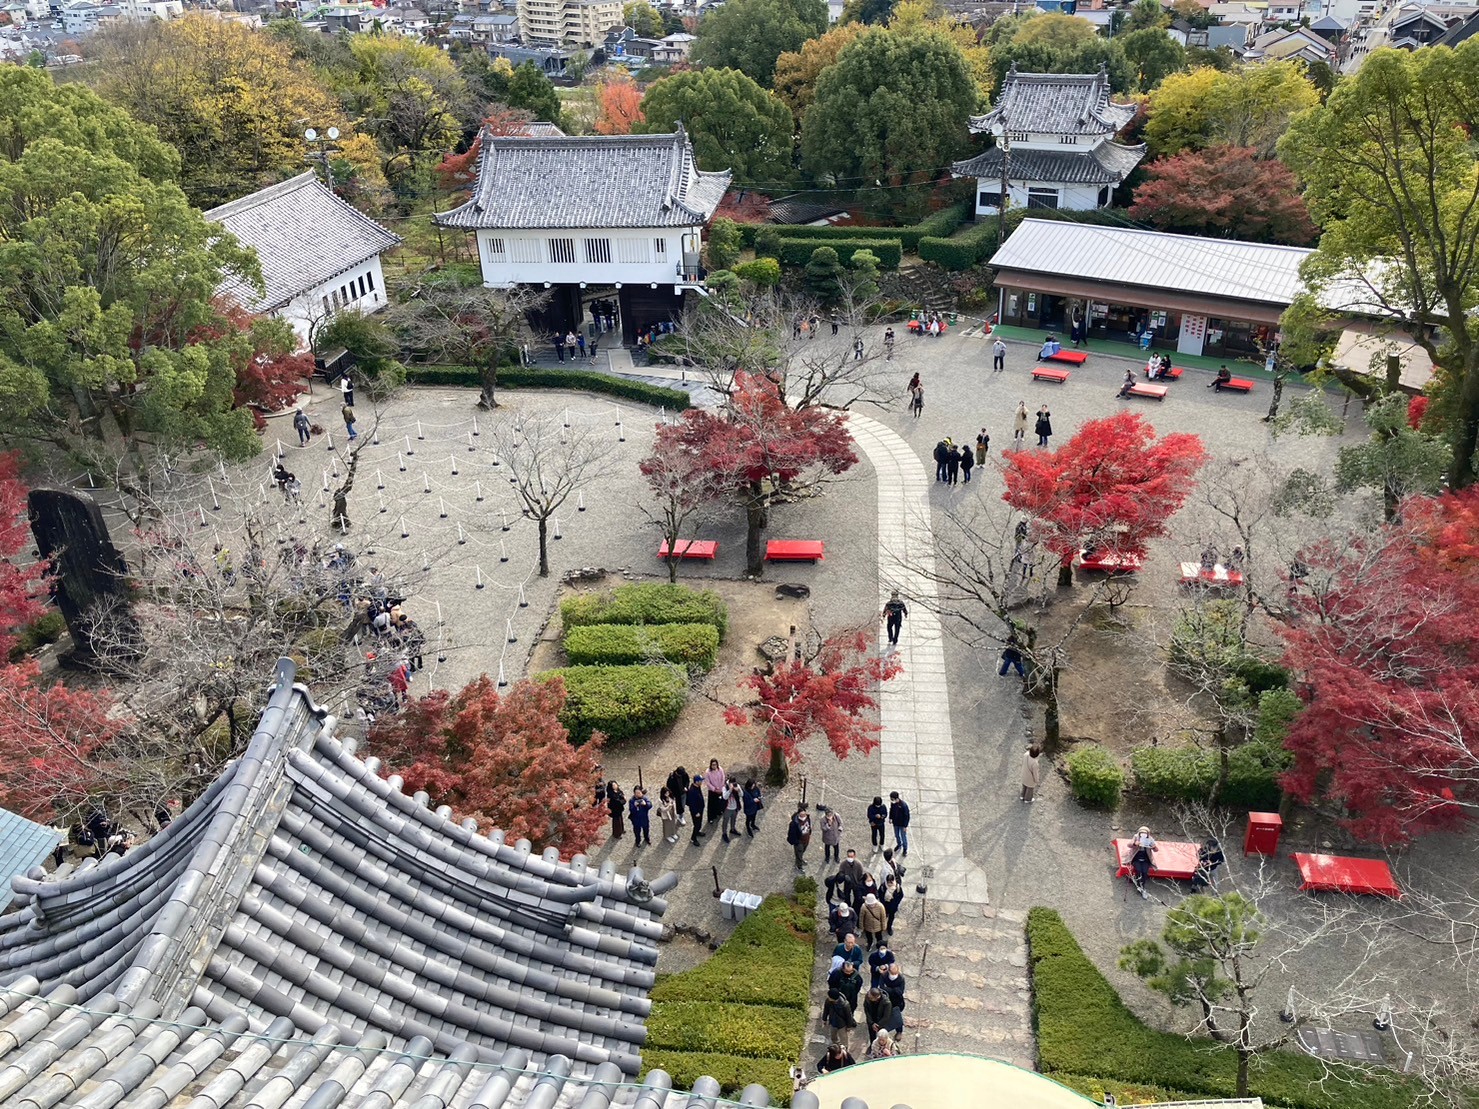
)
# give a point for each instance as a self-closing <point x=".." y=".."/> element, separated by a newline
<point x="1327" y="23"/>
<point x="1107" y="164"/>
<point x="1460" y="32"/>
<point x="1056" y="103"/>
<point x="304" y="899"/>
<point x="1228" y="268"/>
<point x="303" y="235"/>
<point x="589" y="182"/>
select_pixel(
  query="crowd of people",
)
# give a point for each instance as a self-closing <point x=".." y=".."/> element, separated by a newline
<point x="704" y="799"/>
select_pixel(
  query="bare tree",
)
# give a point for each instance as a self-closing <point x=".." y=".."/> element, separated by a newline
<point x="450" y="317"/>
<point x="547" y="461"/>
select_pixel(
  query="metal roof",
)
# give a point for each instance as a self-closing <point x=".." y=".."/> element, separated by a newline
<point x="1107" y="164"/>
<point x="1227" y="268"/>
<point x="303" y="235"/>
<point x="1056" y="103"/>
<point x="592" y="181"/>
<point x="24" y="843"/>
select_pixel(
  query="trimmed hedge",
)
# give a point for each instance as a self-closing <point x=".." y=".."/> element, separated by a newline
<point x="797" y="252"/>
<point x="977" y="244"/>
<point x="937" y="224"/>
<point x="646" y="604"/>
<point x="1085" y="1029"/>
<point x="621" y="701"/>
<point x="1190" y="773"/>
<point x="520" y="378"/>
<point x="951" y="254"/>
<point x="1095" y="776"/>
<point x="694" y="646"/>
<point x="741" y="1015"/>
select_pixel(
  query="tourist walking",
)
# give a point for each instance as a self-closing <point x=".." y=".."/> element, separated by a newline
<point x="877" y="818"/>
<point x="898" y="816"/>
<point x="840" y="1019"/>
<point x="616" y="805"/>
<point x="695" y="799"/>
<point x="346" y="390"/>
<point x="1019" y="425"/>
<point x="640" y="810"/>
<point x="878" y="963"/>
<point x="888" y="345"/>
<point x="1011" y="657"/>
<point x="942" y="458"/>
<point x="849" y="983"/>
<point x="893" y="987"/>
<point x="833" y="318"/>
<point x="874" y="919"/>
<point x="348" y="414"/>
<point x="893" y="888"/>
<point x="302" y="427"/>
<point x="918" y="400"/>
<point x="753" y="802"/>
<point x="678" y="786"/>
<point x="798" y="834"/>
<point x="857" y="346"/>
<point x="967" y="460"/>
<point x="714" y="779"/>
<point x="998" y="356"/>
<point x="894" y="611"/>
<point x="882" y="1047"/>
<point x="1031" y="772"/>
<point x="667" y="812"/>
<point x="848" y="879"/>
<point x="983" y="445"/>
<point x="952" y="464"/>
<point x="848" y="951"/>
<point x="836" y="1058"/>
<point x="831" y="836"/>
<point x="1044" y="426"/>
<point x="878" y="1011"/>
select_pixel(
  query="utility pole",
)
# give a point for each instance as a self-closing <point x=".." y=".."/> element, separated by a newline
<point x="319" y="146"/>
<point x="1001" y="207"/>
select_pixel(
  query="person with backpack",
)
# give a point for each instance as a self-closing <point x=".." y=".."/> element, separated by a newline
<point x="302" y="427"/>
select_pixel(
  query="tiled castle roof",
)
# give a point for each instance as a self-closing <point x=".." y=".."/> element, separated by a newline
<point x="590" y="181"/>
<point x="1056" y="104"/>
<point x="1107" y="164"/>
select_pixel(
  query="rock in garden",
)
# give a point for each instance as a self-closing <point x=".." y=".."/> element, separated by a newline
<point x="789" y="589"/>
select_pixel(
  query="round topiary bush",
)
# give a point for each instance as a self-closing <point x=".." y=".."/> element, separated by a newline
<point x="1095" y="776"/>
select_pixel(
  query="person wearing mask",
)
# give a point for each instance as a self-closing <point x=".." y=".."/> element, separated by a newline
<point x="831" y="835"/>
<point x="714" y="779"/>
<point x="877" y="818"/>
<point x="695" y="800"/>
<point x="878" y="963"/>
<point x="898" y="816"/>
<point x="798" y="834"/>
<point x="667" y="812"/>
<point x="753" y="802"/>
<point x="882" y="1047"/>
<point x="893" y="887"/>
<point x="893" y="986"/>
<point x="847" y="880"/>
<point x="678" y="786"/>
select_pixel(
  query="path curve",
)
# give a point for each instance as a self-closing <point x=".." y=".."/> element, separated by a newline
<point x="917" y="747"/>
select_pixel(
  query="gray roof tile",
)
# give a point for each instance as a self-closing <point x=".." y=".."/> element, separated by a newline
<point x="1057" y="104"/>
<point x="303" y="235"/>
<point x="589" y="182"/>
<point x="1107" y="164"/>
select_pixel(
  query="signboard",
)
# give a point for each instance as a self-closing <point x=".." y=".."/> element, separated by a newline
<point x="1193" y="335"/>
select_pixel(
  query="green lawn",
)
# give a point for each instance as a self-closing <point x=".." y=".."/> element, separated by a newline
<point x="1088" y="1039"/>
<point x="741" y="1015"/>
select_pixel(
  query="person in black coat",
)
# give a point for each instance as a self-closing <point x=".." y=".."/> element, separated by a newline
<point x="678" y="786"/>
<point x="893" y="986"/>
<point x="967" y="460"/>
<point x="877" y="818"/>
<point x="952" y="465"/>
<point x="639" y="808"/>
<point x="695" y="801"/>
<point x="942" y="455"/>
<point x="839" y="1016"/>
<point x="847" y="981"/>
<point x="616" y="805"/>
<point x="1043" y="426"/>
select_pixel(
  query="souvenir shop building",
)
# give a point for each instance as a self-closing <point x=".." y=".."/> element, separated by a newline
<point x="1195" y="296"/>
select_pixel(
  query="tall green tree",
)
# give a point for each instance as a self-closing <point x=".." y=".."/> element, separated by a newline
<point x="749" y="35"/>
<point x="1250" y="106"/>
<point x="892" y="107"/>
<point x="1082" y="57"/>
<point x="1152" y="54"/>
<point x="1147" y="15"/>
<point x="109" y="329"/>
<point x="643" y="18"/>
<point x="1389" y="171"/>
<point x="733" y="122"/>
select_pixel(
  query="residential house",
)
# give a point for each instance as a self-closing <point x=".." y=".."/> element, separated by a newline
<point x="496" y="27"/>
<point x="1461" y="31"/>
<point x="318" y="254"/>
<point x="80" y="19"/>
<point x="603" y="217"/>
<point x="1330" y="29"/>
<point x="551" y="60"/>
<point x="1186" y="34"/>
<point x="1300" y="44"/>
<point x="1054" y="143"/>
<point x="674" y="48"/>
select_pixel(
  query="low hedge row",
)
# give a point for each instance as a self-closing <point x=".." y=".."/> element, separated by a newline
<point x="937" y="224"/>
<point x="1084" y="1028"/>
<point x="977" y="244"/>
<point x="621" y="701"/>
<point x="693" y="646"/>
<point x="646" y="604"/>
<point x="520" y="378"/>
<point x="1191" y="774"/>
<point x="797" y="252"/>
<point x="1095" y="776"/>
<point x="741" y="1015"/>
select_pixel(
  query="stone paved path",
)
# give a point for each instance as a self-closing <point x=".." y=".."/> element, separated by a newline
<point x="917" y="748"/>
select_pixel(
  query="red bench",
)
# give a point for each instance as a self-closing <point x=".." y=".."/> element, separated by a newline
<point x="1173" y="374"/>
<point x="1109" y="562"/>
<point x="691" y="548"/>
<point x="1193" y="574"/>
<point x="1049" y="373"/>
<point x="1155" y="392"/>
<point x="1171" y="859"/>
<point x="1072" y="357"/>
<point x="1341" y="874"/>
<point x="794" y="550"/>
<point x="1237" y="385"/>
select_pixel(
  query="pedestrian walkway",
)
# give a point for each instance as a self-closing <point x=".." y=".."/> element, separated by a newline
<point x="917" y="748"/>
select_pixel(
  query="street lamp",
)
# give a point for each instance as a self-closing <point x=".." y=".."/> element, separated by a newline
<point x="322" y="149"/>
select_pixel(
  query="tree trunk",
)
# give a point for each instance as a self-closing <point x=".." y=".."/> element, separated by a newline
<point x="1466" y="435"/>
<point x="1273" y="405"/>
<point x="756" y="519"/>
<point x="672" y="564"/>
<point x="779" y="772"/>
<point x="1065" y="572"/>
<point x="488" y="398"/>
<point x="544" y="546"/>
<point x="1242" y="1073"/>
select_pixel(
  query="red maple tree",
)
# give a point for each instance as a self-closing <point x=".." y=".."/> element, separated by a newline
<point x="1112" y="486"/>
<point x="744" y="206"/>
<point x="757" y="447"/>
<point x="457" y="172"/>
<point x="618" y="105"/>
<point x="1225" y="192"/>
<point x="52" y="739"/>
<point x="830" y="695"/>
<point x="502" y="758"/>
<point x="1380" y="633"/>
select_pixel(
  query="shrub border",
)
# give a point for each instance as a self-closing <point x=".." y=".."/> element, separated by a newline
<point x="589" y="381"/>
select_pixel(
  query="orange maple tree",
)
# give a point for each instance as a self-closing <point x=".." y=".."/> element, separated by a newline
<point x="619" y="105"/>
<point x="456" y="172"/>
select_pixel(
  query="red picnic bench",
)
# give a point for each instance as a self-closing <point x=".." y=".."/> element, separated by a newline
<point x="1172" y="859"/>
<point x="1192" y="573"/>
<point x="1140" y="389"/>
<point x="1236" y="384"/>
<point x="691" y="548"/>
<point x="1050" y="373"/>
<point x="1072" y="357"/>
<point x="1341" y="874"/>
<point x="794" y="550"/>
<point x="1173" y="374"/>
<point x="1109" y="562"/>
